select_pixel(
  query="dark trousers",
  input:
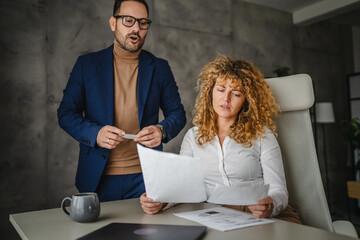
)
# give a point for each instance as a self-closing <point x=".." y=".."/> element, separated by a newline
<point x="117" y="187"/>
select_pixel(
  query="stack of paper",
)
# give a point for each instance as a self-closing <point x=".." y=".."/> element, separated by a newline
<point x="223" y="219"/>
<point x="245" y="193"/>
<point x="170" y="177"/>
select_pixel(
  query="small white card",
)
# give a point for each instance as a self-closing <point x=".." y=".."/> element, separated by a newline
<point x="128" y="136"/>
<point x="223" y="219"/>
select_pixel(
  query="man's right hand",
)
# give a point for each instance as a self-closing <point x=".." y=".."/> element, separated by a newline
<point x="109" y="137"/>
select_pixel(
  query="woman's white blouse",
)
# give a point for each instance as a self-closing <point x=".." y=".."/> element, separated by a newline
<point x="234" y="163"/>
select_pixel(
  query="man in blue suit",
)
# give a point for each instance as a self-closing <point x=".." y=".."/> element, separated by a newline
<point x="119" y="91"/>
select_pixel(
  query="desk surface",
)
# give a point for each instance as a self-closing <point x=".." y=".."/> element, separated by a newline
<point x="54" y="224"/>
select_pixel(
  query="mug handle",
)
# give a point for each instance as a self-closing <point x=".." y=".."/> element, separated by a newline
<point x="63" y="205"/>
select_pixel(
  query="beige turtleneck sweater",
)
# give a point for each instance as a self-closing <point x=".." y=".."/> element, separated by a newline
<point x="124" y="158"/>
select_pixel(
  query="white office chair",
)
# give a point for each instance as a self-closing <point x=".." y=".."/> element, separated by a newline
<point x="295" y="96"/>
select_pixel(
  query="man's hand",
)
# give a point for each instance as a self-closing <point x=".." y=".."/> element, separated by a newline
<point x="263" y="208"/>
<point x="149" y="136"/>
<point x="149" y="206"/>
<point x="108" y="137"/>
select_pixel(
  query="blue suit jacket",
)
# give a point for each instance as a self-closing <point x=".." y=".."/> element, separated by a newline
<point x="88" y="105"/>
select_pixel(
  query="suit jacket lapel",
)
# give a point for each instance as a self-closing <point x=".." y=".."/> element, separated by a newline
<point x="106" y="76"/>
<point x="145" y="73"/>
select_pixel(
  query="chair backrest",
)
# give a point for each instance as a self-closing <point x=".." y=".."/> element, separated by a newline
<point x="295" y="96"/>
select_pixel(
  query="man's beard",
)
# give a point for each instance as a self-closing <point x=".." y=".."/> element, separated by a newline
<point x="128" y="46"/>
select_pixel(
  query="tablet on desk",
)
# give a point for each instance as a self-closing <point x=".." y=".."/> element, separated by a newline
<point x="146" y="232"/>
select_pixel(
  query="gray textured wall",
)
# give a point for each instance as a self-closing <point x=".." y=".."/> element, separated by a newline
<point x="40" y="41"/>
<point x="23" y="114"/>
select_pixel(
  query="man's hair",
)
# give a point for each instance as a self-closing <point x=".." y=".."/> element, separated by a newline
<point x="257" y="112"/>
<point x="117" y="5"/>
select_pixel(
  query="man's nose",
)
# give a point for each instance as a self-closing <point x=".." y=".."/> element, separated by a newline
<point x="136" y="26"/>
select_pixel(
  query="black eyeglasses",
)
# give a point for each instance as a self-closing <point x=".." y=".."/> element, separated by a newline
<point x="129" y="21"/>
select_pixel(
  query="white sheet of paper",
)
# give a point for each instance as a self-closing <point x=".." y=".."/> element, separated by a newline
<point x="246" y="193"/>
<point x="169" y="177"/>
<point x="223" y="219"/>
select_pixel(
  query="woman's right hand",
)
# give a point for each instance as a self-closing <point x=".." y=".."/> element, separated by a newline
<point x="149" y="206"/>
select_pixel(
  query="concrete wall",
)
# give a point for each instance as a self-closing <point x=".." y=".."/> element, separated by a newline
<point x="41" y="39"/>
<point x="23" y="115"/>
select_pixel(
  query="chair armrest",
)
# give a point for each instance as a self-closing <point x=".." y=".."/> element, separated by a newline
<point x="345" y="228"/>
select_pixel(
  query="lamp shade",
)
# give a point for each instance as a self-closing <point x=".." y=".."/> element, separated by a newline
<point x="324" y="112"/>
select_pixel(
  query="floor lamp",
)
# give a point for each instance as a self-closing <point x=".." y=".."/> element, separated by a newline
<point x="325" y="114"/>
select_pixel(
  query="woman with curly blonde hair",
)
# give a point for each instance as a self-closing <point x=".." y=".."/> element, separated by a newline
<point x="234" y="135"/>
<point x="257" y="104"/>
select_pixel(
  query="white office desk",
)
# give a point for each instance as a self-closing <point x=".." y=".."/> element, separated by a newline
<point x="54" y="224"/>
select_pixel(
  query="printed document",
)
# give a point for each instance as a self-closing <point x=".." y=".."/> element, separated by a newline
<point x="246" y="193"/>
<point x="170" y="177"/>
<point x="223" y="219"/>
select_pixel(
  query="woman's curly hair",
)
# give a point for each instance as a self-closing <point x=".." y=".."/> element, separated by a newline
<point x="256" y="113"/>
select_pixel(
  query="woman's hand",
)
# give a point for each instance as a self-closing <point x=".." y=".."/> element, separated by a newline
<point x="149" y="206"/>
<point x="263" y="208"/>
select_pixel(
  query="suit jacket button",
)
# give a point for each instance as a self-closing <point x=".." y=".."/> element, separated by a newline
<point x="104" y="156"/>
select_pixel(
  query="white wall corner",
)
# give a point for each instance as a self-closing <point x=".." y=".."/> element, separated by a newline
<point x="322" y="10"/>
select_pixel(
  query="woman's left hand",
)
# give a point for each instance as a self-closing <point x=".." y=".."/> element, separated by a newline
<point x="263" y="208"/>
